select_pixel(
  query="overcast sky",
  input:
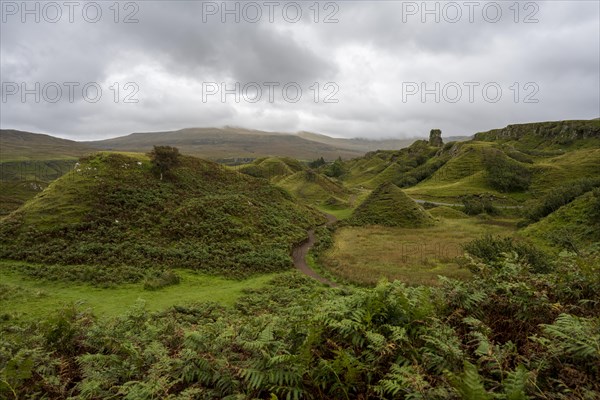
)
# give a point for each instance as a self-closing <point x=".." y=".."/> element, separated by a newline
<point x="347" y="68"/>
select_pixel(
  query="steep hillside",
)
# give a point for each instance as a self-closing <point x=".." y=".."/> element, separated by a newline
<point x="313" y="188"/>
<point x="390" y="206"/>
<point x="403" y="167"/>
<point x="272" y="168"/>
<point x="24" y="146"/>
<point x="512" y="164"/>
<point x="306" y="184"/>
<point x="464" y="173"/>
<point x="565" y="168"/>
<point x="572" y="225"/>
<point x="113" y="210"/>
<point x="29" y="161"/>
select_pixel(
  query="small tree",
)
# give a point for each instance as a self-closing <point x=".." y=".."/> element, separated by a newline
<point x="336" y="169"/>
<point x="317" y="163"/>
<point x="164" y="158"/>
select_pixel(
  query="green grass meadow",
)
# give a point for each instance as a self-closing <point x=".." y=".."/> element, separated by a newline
<point x="26" y="298"/>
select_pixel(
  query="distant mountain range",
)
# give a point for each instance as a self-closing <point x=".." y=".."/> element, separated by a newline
<point x="21" y="146"/>
<point x="211" y="143"/>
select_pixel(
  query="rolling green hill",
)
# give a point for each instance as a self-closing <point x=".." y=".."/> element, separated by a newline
<point x="463" y="174"/>
<point x="305" y="184"/>
<point x="29" y="161"/>
<point x="110" y="286"/>
<point x="403" y="167"/>
<point x="572" y="225"/>
<point x="511" y="165"/>
<point x="316" y="189"/>
<point x="272" y="168"/>
<point x="26" y="146"/>
<point x="113" y="210"/>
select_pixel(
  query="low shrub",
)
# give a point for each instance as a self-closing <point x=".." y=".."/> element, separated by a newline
<point x="475" y="205"/>
<point x="560" y="196"/>
<point x="504" y="174"/>
<point x="491" y="249"/>
<point x="159" y="281"/>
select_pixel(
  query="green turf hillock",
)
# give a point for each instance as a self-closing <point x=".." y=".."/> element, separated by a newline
<point x="313" y="188"/>
<point x="113" y="210"/>
<point x="388" y="205"/>
<point x="272" y="168"/>
<point x="573" y="225"/>
<point x="404" y="167"/>
<point x="309" y="186"/>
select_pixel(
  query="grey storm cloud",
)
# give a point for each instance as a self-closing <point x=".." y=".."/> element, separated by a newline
<point x="354" y="72"/>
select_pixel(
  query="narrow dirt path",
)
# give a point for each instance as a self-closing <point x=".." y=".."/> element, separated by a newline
<point x="300" y="252"/>
<point x="456" y="205"/>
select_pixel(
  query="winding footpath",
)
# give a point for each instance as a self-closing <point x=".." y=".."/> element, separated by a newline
<point x="455" y="205"/>
<point x="300" y="251"/>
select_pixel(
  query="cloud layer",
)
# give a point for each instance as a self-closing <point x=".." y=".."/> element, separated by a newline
<point x="369" y="69"/>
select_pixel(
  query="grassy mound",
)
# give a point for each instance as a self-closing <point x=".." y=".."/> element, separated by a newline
<point x="572" y="226"/>
<point x="306" y="184"/>
<point x="113" y="210"/>
<point x="314" y="188"/>
<point x="389" y="206"/>
<point x="272" y="168"/>
<point x="403" y="168"/>
<point x="447" y="212"/>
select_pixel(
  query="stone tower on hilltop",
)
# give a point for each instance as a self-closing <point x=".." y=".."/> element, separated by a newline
<point x="435" y="138"/>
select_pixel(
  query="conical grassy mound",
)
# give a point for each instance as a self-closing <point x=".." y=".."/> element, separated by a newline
<point x="389" y="206"/>
<point x="113" y="210"/>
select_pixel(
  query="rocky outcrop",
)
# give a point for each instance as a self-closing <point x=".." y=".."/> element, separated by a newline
<point x="556" y="132"/>
<point x="435" y="138"/>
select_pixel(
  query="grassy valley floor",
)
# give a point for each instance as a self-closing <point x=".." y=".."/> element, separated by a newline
<point x="23" y="297"/>
<point x="365" y="255"/>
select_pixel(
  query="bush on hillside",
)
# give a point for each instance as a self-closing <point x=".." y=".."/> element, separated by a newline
<point x="562" y="195"/>
<point x="161" y="280"/>
<point x="491" y="249"/>
<point x="420" y="173"/>
<point x="475" y="205"/>
<point x="595" y="213"/>
<point x="504" y="174"/>
<point x="519" y="156"/>
<point x="255" y="171"/>
<point x="317" y="163"/>
<point x="163" y="159"/>
<point x="336" y="169"/>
